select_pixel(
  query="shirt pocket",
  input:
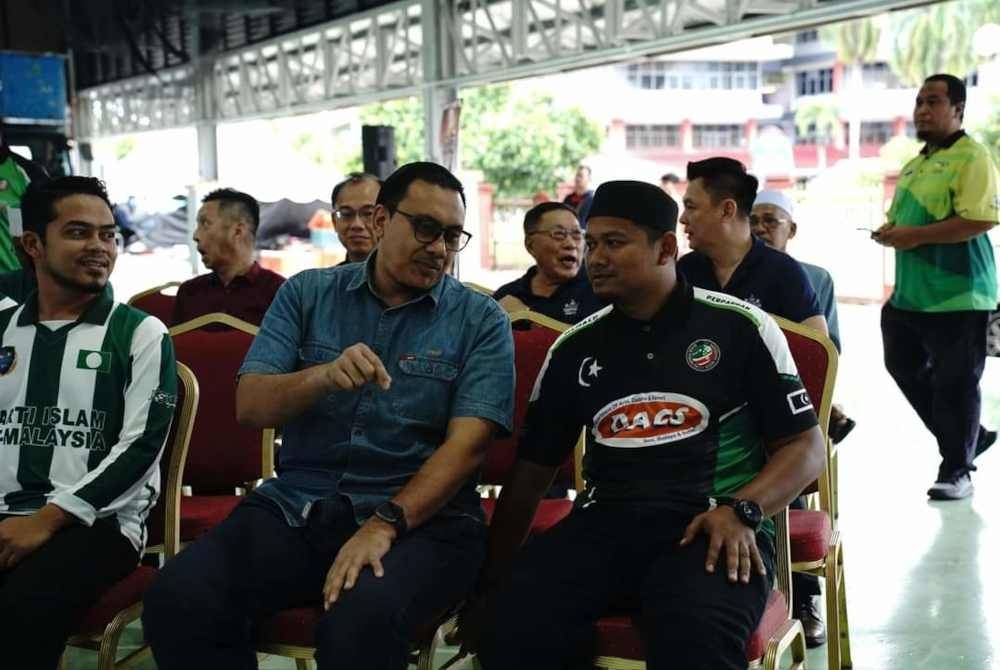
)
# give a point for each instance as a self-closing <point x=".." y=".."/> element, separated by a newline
<point x="422" y="390"/>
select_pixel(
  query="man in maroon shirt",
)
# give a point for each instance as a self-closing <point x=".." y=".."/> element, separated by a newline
<point x="237" y="285"/>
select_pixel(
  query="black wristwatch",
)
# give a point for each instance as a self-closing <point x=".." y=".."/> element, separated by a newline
<point x="393" y="515"/>
<point x="747" y="511"/>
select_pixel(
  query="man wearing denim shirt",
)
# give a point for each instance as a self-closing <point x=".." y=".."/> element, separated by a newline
<point x="388" y="378"/>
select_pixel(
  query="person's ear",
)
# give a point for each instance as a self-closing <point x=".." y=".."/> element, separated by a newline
<point x="960" y="110"/>
<point x="729" y="208"/>
<point x="32" y="244"/>
<point x="380" y="219"/>
<point x="529" y="245"/>
<point x="792" y="229"/>
<point x="667" y="248"/>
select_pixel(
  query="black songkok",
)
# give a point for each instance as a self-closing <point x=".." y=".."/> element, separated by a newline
<point x="639" y="202"/>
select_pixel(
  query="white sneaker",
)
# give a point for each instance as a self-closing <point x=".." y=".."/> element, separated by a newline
<point x="955" y="488"/>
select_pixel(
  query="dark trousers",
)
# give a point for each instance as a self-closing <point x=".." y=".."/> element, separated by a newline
<point x="202" y="610"/>
<point x="45" y="596"/>
<point x="605" y="557"/>
<point x="937" y="360"/>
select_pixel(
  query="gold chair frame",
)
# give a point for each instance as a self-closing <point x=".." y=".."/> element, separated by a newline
<point x="106" y="644"/>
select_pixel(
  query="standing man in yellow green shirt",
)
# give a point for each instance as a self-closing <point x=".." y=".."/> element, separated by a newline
<point x="934" y="325"/>
<point x="16" y="172"/>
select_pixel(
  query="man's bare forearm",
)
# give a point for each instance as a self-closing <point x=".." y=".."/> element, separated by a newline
<point x="443" y="474"/>
<point x="951" y="231"/>
<point x="511" y="521"/>
<point x="791" y="467"/>
<point x="266" y="401"/>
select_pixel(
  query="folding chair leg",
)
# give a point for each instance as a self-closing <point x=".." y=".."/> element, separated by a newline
<point x="789" y="637"/>
<point x="845" y="631"/>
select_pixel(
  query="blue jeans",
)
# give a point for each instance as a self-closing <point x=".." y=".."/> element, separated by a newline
<point x="203" y="608"/>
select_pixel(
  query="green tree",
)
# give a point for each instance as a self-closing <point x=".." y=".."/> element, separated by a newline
<point x="935" y="39"/>
<point x="857" y="42"/>
<point x="820" y="117"/>
<point x="522" y="144"/>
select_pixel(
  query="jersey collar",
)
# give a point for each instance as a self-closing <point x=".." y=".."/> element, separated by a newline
<point x="96" y="312"/>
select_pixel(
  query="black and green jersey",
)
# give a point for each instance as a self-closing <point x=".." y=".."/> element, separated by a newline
<point x="676" y="410"/>
<point x="84" y="412"/>
<point x="957" y="179"/>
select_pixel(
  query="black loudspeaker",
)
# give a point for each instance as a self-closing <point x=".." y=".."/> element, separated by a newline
<point x="378" y="150"/>
<point x="86" y="151"/>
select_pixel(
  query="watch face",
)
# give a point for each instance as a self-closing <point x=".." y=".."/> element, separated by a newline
<point x="750" y="512"/>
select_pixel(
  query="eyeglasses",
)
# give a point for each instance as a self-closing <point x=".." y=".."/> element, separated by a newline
<point x="560" y="234"/>
<point x="767" y="221"/>
<point x="428" y="230"/>
<point x="349" y="214"/>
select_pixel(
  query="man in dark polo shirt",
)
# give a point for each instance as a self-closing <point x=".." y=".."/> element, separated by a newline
<point x="698" y="430"/>
<point x="726" y="257"/>
<point x="555" y="286"/>
<point x="581" y="196"/>
<point x="237" y="285"/>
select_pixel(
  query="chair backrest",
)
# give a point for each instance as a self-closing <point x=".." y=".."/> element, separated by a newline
<point x="816" y="359"/>
<point x="533" y="335"/>
<point x="163" y="522"/>
<point x="155" y="302"/>
<point x="223" y="454"/>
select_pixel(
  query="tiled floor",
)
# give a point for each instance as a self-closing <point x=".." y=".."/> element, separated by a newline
<point x="922" y="577"/>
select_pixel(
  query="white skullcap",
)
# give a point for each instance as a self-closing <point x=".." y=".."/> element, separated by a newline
<point x="778" y="199"/>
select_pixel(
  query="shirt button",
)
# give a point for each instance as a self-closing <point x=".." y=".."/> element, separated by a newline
<point x="649" y="357"/>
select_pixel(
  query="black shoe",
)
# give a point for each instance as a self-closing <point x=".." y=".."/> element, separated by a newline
<point x="840" y="429"/>
<point x="986" y="440"/>
<point x="807" y="611"/>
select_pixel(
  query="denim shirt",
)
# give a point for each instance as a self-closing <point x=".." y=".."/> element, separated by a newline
<point x="450" y="353"/>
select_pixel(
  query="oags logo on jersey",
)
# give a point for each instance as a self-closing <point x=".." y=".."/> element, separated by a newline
<point x="649" y="419"/>
<point x="703" y="355"/>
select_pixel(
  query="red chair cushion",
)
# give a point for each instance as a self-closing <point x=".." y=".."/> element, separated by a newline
<point x="121" y="596"/>
<point x="297" y="626"/>
<point x="775" y="614"/>
<point x="223" y="454"/>
<point x="199" y="514"/>
<point x="808" y="534"/>
<point x="548" y="514"/>
<point x="619" y="637"/>
<point x="159" y="305"/>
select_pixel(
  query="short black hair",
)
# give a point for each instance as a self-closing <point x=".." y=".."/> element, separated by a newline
<point x="534" y="215"/>
<point x="581" y="166"/>
<point x="38" y="204"/>
<point x="671" y="177"/>
<point x="956" y="87"/>
<point x="725" y="178"/>
<point x="396" y="185"/>
<point x="352" y="178"/>
<point x="236" y="204"/>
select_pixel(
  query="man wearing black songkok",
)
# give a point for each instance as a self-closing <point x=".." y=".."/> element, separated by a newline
<point x="698" y="430"/>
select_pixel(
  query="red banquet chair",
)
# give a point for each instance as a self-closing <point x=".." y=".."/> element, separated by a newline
<point x="814" y="535"/>
<point x="533" y="335"/>
<point x="224" y="457"/>
<point x="156" y="302"/>
<point x="120" y="605"/>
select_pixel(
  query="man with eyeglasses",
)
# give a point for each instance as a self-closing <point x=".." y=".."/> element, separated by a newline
<point x="237" y="285"/>
<point x="353" y="203"/>
<point x="389" y="378"/>
<point x="555" y="286"/>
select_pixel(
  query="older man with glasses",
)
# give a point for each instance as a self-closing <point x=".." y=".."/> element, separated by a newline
<point x="555" y="285"/>
<point x="353" y="203"/>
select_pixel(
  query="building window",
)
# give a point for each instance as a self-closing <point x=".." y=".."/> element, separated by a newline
<point x="812" y="82"/>
<point x="806" y="36"/>
<point x="811" y="136"/>
<point x="876" y="132"/>
<point x="652" y="136"/>
<point x="878" y="75"/>
<point x="718" y="136"/>
<point x="685" y="76"/>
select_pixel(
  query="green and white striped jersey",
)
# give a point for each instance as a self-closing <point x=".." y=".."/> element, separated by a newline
<point x="85" y="410"/>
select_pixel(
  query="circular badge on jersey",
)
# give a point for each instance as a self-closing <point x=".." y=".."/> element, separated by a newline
<point x="8" y="360"/>
<point x="703" y="355"/>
